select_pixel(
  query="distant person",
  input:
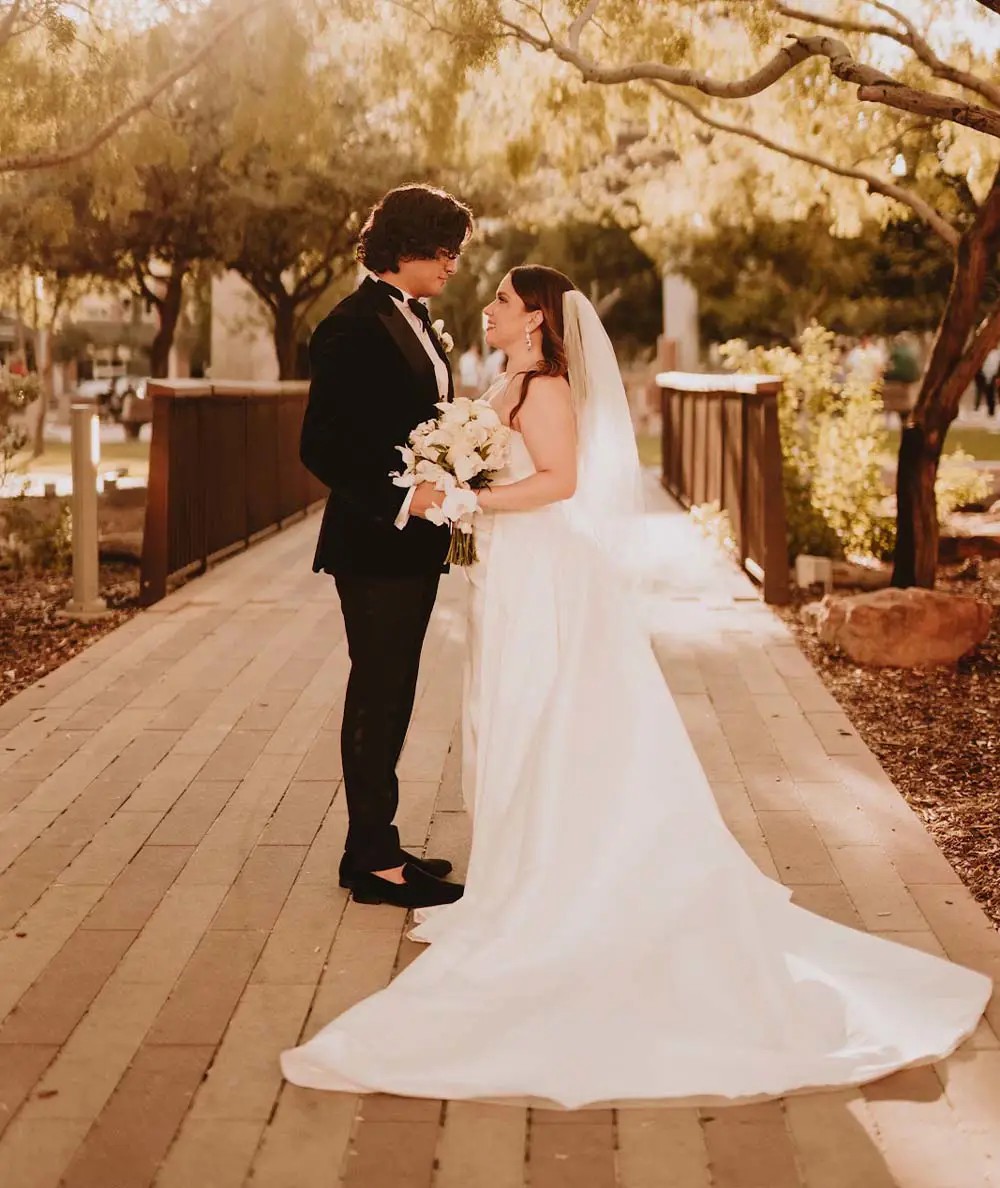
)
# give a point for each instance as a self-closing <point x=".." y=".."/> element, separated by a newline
<point x="471" y="377"/>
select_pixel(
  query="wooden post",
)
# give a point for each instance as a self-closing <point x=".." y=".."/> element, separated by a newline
<point x="85" y="446"/>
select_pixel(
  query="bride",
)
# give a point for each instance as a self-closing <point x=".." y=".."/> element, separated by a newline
<point x="614" y="942"/>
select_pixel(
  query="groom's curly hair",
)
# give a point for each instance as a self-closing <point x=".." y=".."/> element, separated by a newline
<point x="413" y="222"/>
<point x="543" y="288"/>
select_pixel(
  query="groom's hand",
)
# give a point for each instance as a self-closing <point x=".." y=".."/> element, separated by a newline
<point x="424" y="496"/>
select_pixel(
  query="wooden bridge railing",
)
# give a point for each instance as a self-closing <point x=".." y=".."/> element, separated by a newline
<point x="721" y="444"/>
<point x="224" y="469"/>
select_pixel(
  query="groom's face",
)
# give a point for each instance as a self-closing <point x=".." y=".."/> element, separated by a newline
<point x="426" y="278"/>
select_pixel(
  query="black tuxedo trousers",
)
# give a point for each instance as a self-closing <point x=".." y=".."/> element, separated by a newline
<point x="372" y="384"/>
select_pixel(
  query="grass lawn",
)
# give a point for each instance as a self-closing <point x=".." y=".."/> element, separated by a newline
<point x="56" y="459"/>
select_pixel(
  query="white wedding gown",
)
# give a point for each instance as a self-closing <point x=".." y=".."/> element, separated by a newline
<point x="615" y="943"/>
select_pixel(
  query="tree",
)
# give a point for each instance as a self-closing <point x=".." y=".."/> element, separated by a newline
<point x="765" y="279"/>
<point x="48" y="58"/>
<point x="929" y="126"/>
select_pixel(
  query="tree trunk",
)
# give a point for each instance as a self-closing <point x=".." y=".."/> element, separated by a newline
<point x="168" y="309"/>
<point x="917" y="529"/>
<point x="286" y="339"/>
<point x="957" y="354"/>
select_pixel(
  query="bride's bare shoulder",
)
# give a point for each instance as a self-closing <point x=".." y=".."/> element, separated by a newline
<point x="550" y="387"/>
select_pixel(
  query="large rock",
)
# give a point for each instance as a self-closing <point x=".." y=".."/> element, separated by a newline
<point x="911" y="628"/>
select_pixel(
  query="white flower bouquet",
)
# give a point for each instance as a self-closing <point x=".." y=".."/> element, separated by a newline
<point x="459" y="452"/>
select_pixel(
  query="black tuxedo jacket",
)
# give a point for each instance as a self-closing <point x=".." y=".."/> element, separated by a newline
<point x="372" y="384"/>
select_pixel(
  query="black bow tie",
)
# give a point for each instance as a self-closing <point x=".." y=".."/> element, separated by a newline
<point x="418" y="307"/>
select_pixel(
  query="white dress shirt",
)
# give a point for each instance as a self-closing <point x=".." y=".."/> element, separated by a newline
<point x="421" y="331"/>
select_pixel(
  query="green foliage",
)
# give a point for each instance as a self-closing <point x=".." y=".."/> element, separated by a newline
<point x="831" y="438"/>
<point x="960" y="483"/>
<point x="17" y="392"/>
<point x="37" y="534"/>
<point x="765" y="279"/>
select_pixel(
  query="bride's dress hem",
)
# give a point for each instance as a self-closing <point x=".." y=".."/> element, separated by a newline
<point x="299" y="1071"/>
<point x="615" y="943"/>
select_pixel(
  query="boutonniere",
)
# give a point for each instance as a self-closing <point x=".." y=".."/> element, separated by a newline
<point x="442" y="335"/>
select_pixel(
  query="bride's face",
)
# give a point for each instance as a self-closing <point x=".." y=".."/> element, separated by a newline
<point x="506" y="318"/>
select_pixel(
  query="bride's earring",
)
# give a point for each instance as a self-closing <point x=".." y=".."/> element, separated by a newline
<point x="527" y="338"/>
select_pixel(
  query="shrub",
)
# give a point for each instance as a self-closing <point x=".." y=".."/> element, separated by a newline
<point x="35" y="534"/>
<point x="16" y="393"/>
<point x="959" y="483"/>
<point x="832" y="436"/>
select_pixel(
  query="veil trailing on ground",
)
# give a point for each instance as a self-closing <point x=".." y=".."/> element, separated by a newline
<point x="608" y="504"/>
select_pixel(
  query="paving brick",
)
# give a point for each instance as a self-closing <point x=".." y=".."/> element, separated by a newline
<point x="35" y="1154"/>
<point x="95" y="805"/>
<point x="300" y="940"/>
<point x="798" y="852"/>
<point x="28" y="876"/>
<point x="162" y="787"/>
<point x="750" y="1147"/>
<point x="193" y="813"/>
<point x="391" y="1155"/>
<point x="918" y="1130"/>
<point x="113" y="848"/>
<point x="41" y="933"/>
<point x="834" y="809"/>
<point x="21" y="1065"/>
<point x="57" y="1001"/>
<point x="424" y="754"/>
<point x="132" y="1135"/>
<point x="580" y="1156"/>
<point x="662" y="1148"/>
<point x="80" y="1081"/>
<point x="833" y="902"/>
<point x="306" y="1144"/>
<point x="836" y="1141"/>
<point x="245" y="1077"/>
<point x="137" y="892"/>
<point x="202" y="1003"/>
<point x="359" y="964"/>
<point x="261" y="889"/>
<point x="322" y="760"/>
<point x="881" y="897"/>
<point x="298" y="817"/>
<point x="482" y="1146"/>
<point x="172" y="934"/>
<point x="235" y="755"/>
<point x="267" y="711"/>
<point x="210" y="1154"/>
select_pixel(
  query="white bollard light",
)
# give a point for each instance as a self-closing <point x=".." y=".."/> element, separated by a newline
<point x="85" y="446"/>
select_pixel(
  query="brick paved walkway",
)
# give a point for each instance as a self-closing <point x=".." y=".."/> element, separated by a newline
<point x="170" y="823"/>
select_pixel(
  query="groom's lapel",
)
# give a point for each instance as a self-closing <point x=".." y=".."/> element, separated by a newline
<point x="390" y="315"/>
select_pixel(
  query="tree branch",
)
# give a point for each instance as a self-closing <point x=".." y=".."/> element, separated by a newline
<point x="8" y="22"/>
<point x="887" y="189"/>
<point x="909" y="37"/>
<point x="107" y="130"/>
<point x="576" y="29"/>
<point x="873" y="86"/>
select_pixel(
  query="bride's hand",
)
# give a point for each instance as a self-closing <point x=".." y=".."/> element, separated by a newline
<point x="425" y="495"/>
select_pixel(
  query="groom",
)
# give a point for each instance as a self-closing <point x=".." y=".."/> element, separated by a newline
<point x="378" y="368"/>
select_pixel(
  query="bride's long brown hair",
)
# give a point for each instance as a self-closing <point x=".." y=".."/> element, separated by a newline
<point x="542" y="288"/>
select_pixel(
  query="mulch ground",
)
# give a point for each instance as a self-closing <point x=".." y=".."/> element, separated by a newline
<point x="33" y="641"/>
<point x="937" y="734"/>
